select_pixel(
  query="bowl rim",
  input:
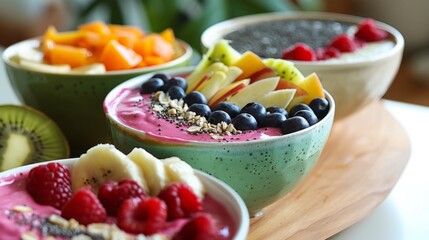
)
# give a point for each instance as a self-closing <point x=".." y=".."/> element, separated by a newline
<point x="13" y="49"/>
<point x="137" y="81"/>
<point x="235" y="206"/>
<point x="233" y="24"/>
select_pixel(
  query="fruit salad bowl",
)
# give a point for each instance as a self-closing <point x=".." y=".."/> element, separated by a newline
<point x="72" y="98"/>
<point x="261" y="171"/>
<point x="354" y="77"/>
<point x="20" y="199"/>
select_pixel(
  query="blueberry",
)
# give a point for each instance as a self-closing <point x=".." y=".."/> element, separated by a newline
<point x="176" y="92"/>
<point x="151" y="85"/>
<point x="201" y="109"/>
<point x="256" y="110"/>
<point x="308" y="115"/>
<point x="294" y="124"/>
<point x="244" y="121"/>
<point x="230" y="108"/>
<point x="297" y="107"/>
<point x="219" y="116"/>
<point x="195" y="97"/>
<point x="320" y="107"/>
<point x="175" y="81"/>
<point x="273" y="120"/>
<point x="278" y="110"/>
<point x="163" y="76"/>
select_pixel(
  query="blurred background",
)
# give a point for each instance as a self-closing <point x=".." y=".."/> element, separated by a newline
<point x="22" y="19"/>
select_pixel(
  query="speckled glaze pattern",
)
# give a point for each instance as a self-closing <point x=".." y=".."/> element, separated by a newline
<point x="74" y="102"/>
<point x="261" y="171"/>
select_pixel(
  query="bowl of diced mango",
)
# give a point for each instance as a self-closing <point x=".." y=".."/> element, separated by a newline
<point x="66" y="75"/>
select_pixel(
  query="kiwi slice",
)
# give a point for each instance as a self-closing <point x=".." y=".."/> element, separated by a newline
<point x="28" y="136"/>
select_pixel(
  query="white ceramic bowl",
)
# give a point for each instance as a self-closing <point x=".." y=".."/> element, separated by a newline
<point x="352" y="84"/>
<point x="216" y="188"/>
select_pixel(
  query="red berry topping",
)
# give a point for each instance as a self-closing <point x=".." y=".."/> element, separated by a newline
<point x="327" y="53"/>
<point x="369" y="32"/>
<point x="142" y="215"/>
<point x="344" y="43"/>
<point x="181" y="201"/>
<point x="111" y="194"/>
<point x="85" y="207"/>
<point x="50" y="184"/>
<point x="201" y="227"/>
<point x="300" y="52"/>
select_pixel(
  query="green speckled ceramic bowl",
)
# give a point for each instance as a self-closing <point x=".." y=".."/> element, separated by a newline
<point x="261" y="171"/>
<point x="74" y="101"/>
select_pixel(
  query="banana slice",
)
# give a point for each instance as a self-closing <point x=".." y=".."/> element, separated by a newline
<point x="102" y="163"/>
<point x="180" y="171"/>
<point x="152" y="168"/>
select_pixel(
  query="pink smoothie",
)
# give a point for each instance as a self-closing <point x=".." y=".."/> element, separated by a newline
<point x="13" y="224"/>
<point x="133" y="110"/>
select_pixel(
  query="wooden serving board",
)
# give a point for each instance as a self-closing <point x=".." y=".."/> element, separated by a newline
<point x="363" y="159"/>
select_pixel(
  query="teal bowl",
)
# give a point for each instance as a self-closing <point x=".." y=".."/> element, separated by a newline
<point x="261" y="171"/>
<point x="74" y="101"/>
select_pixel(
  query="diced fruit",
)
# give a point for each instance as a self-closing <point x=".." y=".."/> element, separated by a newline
<point x="299" y="52"/>
<point x="228" y="91"/>
<point x="273" y="120"/>
<point x="200" y="109"/>
<point x="84" y="207"/>
<point x="256" y="110"/>
<point x="146" y="216"/>
<point x="245" y="121"/>
<point x="202" y="226"/>
<point x="368" y="31"/>
<point x="181" y="201"/>
<point x="344" y="43"/>
<point x="194" y="97"/>
<point x="254" y="91"/>
<point x="115" y="56"/>
<point x="312" y="85"/>
<point x="98" y="27"/>
<point x="230" y="108"/>
<point x="154" y="45"/>
<point x="294" y="124"/>
<point x="249" y="63"/>
<point x="168" y="35"/>
<point x="219" y="116"/>
<point x="285" y="69"/>
<point x="50" y="184"/>
<point x="308" y="115"/>
<point x="73" y="56"/>
<point x="280" y="98"/>
<point x="320" y="107"/>
<point x="111" y="194"/>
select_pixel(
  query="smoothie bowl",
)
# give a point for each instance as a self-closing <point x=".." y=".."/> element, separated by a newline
<point x="263" y="150"/>
<point x="356" y="68"/>
<point x="106" y="194"/>
<point x="66" y="76"/>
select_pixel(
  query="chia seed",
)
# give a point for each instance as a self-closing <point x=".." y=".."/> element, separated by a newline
<point x="269" y="39"/>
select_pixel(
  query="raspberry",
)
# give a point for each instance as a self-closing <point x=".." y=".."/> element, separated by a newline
<point x="368" y="31"/>
<point x="300" y="52"/>
<point x="50" y="184"/>
<point x="142" y="215"/>
<point x="327" y="53"/>
<point x="111" y="194"/>
<point x="181" y="201"/>
<point x="344" y="43"/>
<point x="85" y="207"/>
<point x="201" y="227"/>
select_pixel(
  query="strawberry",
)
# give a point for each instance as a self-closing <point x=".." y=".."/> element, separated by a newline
<point x="344" y="43"/>
<point x="300" y="52"/>
<point x="181" y="201"/>
<point x="369" y="32"/>
<point x="111" y="194"/>
<point x="142" y="215"/>
<point x="85" y="207"/>
<point x="201" y="227"/>
<point x="50" y="184"/>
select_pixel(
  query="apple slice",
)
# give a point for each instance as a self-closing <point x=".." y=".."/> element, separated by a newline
<point x="228" y="91"/>
<point x="279" y="98"/>
<point x="197" y="76"/>
<point x="265" y="72"/>
<point x="284" y="84"/>
<point x="312" y="85"/>
<point x="210" y="86"/>
<point x="232" y="74"/>
<point x="249" y="63"/>
<point x="254" y="91"/>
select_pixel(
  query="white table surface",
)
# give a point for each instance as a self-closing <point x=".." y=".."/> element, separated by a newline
<point x="404" y="215"/>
